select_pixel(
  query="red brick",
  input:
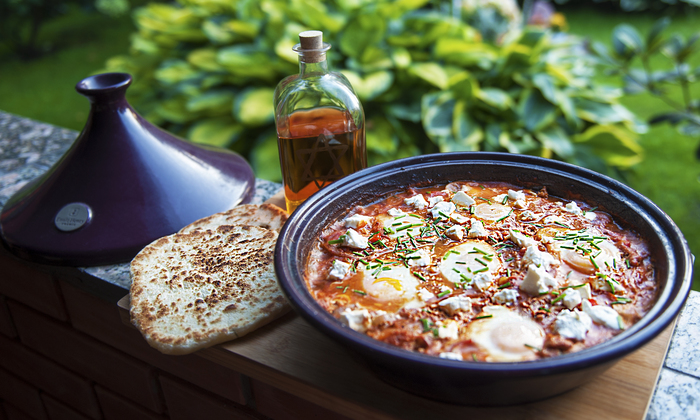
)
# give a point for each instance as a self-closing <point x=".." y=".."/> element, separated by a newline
<point x="31" y="285"/>
<point x="277" y="404"/>
<point x="88" y="357"/>
<point x="48" y="376"/>
<point x="14" y="413"/>
<point x="185" y="402"/>
<point x="59" y="411"/>
<point x="21" y="395"/>
<point x="6" y="325"/>
<point x="115" y="407"/>
<point x="101" y="320"/>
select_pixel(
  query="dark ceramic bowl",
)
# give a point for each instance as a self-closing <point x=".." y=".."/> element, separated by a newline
<point x="475" y="383"/>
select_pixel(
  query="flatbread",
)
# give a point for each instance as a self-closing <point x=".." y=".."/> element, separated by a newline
<point x="264" y="215"/>
<point x="193" y="290"/>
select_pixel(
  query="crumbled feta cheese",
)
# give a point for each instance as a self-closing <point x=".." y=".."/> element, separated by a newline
<point x="521" y="240"/>
<point x="534" y="256"/>
<point x="553" y="220"/>
<point x="451" y="356"/>
<point x="571" y="298"/>
<point x="573" y="324"/>
<point x="425" y="295"/>
<point x="589" y="215"/>
<point x="516" y="195"/>
<point x="353" y="239"/>
<point x="432" y="201"/>
<point x="455" y="232"/>
<point x="603" y="315"/>
<point x="482" y="281"/>
<point x="572" y="208"/>
<point x="462" y="199"/>
<point x="383" y="317"/>
<point x="339" y="270"/>
<point x="449" y="329"/>
<point x="442" y="208"/>
<point x="527" y="215"/>
<point x="520" y="204"/>
<point x="420" y="258"/>
<point x="357" y="221"/>
<point x="417" y="201"/>
<point x="393" y="212"/>
<point x="608" y="284"/>
<point x="458" y="218"/>
<point x="537" y="281"/>
<point x="357" y="319"/>
<point x="506" y="296"/>
<point x="585" y="292"/>
<point x="477" y="230"/>
<point x="499" y="198"/>
<point x="454" y="304"/>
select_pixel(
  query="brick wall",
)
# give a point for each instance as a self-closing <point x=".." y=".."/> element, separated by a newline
<point x="66" y="354"/>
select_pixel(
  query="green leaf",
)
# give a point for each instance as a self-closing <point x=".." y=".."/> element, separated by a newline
<point x="467" y="132"/>
<point x="437" y="111"/>
<point x="601" y="113"/>
<point x="371" y="85"/>
<point x="254" y="107"/>
<point x="536" y="111"/>
<point x="432" y="73"/>
<point x="654" y="41"/>
<point x="615" y="145"/>
<point x="248" y="61"/>
<point x="219" y="101"/>
<point x="380" y="137"/>
<point x="220" y="132"/>
<point x="497" y="98"/>
<point x="175" y="71"/>
<point x="264" y="158"/>
<point x="205" y="59"/>
<point x="363" y="31"/>
<point x="626" y="40"/>
<point x="465" y="53"/>
<point x="556" y="139"/>
<point x="545" y="84"/>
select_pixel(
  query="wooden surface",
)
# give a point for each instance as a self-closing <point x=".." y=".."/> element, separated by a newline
<point x="294" y="357"/>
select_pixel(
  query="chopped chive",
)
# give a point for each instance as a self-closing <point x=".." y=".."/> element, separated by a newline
<point x="445" y="293"/>
<point x="359" y="292"/>
<point x="567" y="247"/>
<point x="561" y="224"/>
<point x="345" y="289"/>
<point x="455" y="270"/>
<point x="474" y="357"/>
<point x="397" y="224"/>
<point x="426" y="324"/>
<point x="399" y="217"/>
<point x="506" y="216"/>
<point x="503" y="286"/>
<point x="533" y="347"/>
<point x="485" y="199"/>
<point x="420" y="276"/>
<point x="337" y="241"/>
<point x="477" y="259"/>
<point x="460" y="262"/>
<point x="505" y="200"/>
<point x="627" y="263"/>
<point x="484" y="316"/>
<point x="560" y="297"/>
<point x="414" y="215"/>
<point x="481" y="251"/>
<point x="481" y="270"/>
<point x="594" y="263"/>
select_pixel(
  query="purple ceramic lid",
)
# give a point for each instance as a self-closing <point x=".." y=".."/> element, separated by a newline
<point x="123" y="183"/>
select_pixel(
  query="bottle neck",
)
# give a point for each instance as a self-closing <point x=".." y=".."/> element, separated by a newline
<point x="318" y="66"/>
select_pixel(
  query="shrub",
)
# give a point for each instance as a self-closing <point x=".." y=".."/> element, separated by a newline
<point x="206" y="69"/>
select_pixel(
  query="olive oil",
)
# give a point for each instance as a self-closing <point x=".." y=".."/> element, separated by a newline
<point x="320" y="124"/>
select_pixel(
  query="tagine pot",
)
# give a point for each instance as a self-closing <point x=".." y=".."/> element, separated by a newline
<point x="122" y="184"/>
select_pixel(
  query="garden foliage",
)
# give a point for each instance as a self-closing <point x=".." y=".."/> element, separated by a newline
<point x="631" y="58"/>
<point x="429" y="82"/>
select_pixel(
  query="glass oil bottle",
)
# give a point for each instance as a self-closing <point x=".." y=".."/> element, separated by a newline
<point x="320" y="124"/>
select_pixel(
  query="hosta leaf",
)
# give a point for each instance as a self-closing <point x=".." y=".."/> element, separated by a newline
<point x="409" y="111"/>
<point x="253" y="107"/>
<point x="174" y="110"/>
<point x="465" y="53"/>
<point x="381" y="138"/>
<point x="545" y="84"/>
<point x="264" y="158"/>
<point x="467" y="132"/>
<point x="497" y="98"/>
<point x="371" y="85"/>
<point x="556" y="139"/>
<point x="247" y="61"/>
<point x="601" y="113"/>
<point x="536" y="111"/>
<point x="615" y="145"/>
<point x="175" y="71"/>
<point x="437" y="110"/>
<point x="204" y="58"/>
<point x="220" y="132"/>
<point x="213" y="100"/>
<point x="362" y="32"/>
<point x="432" y="73"/>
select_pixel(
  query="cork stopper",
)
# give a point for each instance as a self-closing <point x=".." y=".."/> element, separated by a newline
<point x="311" y="48"/>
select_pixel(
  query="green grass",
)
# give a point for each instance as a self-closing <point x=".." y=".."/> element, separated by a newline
<point x="44" y="90"/>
